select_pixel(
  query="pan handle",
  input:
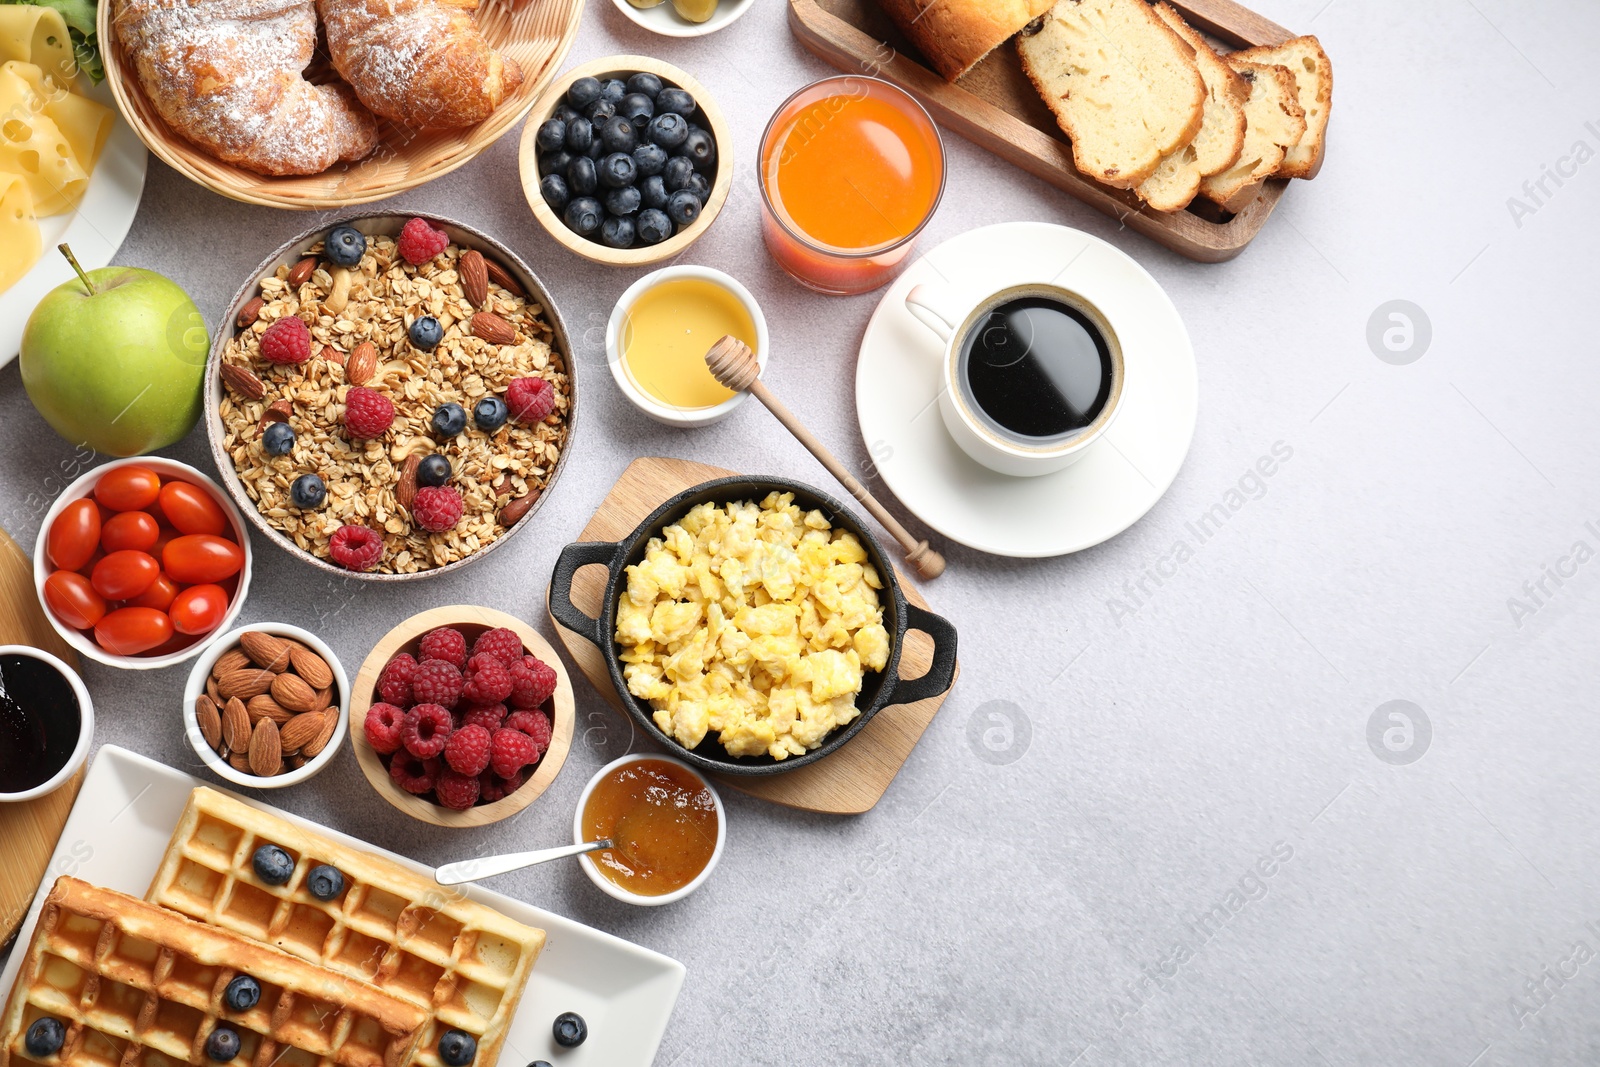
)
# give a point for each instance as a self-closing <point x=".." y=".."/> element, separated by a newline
<point x="942" y="671"/>
<point x="575" y="556"/>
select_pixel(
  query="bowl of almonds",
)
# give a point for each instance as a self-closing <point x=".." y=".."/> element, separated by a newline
<point x="267" y="705"/>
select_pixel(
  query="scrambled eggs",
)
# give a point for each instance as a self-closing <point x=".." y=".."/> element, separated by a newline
<point x="756" y="622"/>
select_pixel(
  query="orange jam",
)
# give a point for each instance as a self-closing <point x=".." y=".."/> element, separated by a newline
<point x="662" y="820"/>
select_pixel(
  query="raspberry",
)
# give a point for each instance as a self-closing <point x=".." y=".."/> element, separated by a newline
<point x="367" y="413"/>
<point x="492" y="787"/>
<point x="533" y="723"/>
<point x="383" y="728"/>
<point x="426" y="729"/>
<point x="436" y="682"/>
<point x="437" y="508"/>
<point x="510" y="751"/>
<point x="412" y="774"/>
<point x="286" y="341"/>
<point x="533" y="681"/>
<point x="446" y="644"/>
<point x="501" y="643"/>
<point x="394" y="683"/>
<point x="488" y="682"/>
<point x="530" y="399"/>
<point x="467" y="751"/>
<point x="420" y="241"/>
<point x="489" y="716"/>
<point x="356" y="548"/>
<point x="457" y="791"/>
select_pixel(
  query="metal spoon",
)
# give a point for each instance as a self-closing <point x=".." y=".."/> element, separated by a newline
<point x="488" y="866"/>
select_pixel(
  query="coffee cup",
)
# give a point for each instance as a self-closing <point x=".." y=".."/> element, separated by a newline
<point x="46" y="723"/>
<point x="1032" y="374"/>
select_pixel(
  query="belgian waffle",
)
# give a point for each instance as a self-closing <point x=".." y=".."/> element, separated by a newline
<point x="464" y="963"/>
<point x="135" y="985"/>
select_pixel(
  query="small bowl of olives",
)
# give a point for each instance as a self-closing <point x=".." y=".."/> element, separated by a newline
<point x="627" y="161"/>
<point x="684" y="18"/>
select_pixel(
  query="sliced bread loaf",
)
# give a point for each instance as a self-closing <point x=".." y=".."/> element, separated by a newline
<point x="1123" y="86"/>
<point x="1313" y="76"/>
<point x="1274" y="124"/>
<point x="1216" y="147"/>
<point x="955" y="34"/>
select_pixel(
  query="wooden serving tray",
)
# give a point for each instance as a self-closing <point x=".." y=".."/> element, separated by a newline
<point x="996" y="107"/>
<point x="848" y="782"/>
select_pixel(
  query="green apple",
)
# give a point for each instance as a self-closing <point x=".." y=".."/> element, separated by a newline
<point x="115" y="359"/>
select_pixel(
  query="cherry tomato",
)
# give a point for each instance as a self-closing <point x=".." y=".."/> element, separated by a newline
<point x="135" y="530"/>
<point x="163" y="538"/>
<point x="128" y="488"/>
<point x="198" y="609"/>
<point x="192" y="510"/>
<point x="130" y="631"/>
<point x="124" y="575"/>
<point x="74" y="535"/>
<point x="162" y="592"/>
<point x="72" y="599"/>
<point x="198" y="558"/>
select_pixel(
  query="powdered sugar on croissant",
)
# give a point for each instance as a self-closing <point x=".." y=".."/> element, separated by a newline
<point x="423" y="63"/>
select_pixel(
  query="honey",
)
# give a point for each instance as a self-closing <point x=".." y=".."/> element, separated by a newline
<point x="667" y="332"/>
<point x="662" y="821"/>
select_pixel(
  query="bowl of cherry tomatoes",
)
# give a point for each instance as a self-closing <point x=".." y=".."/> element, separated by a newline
<point x="140" y="561"/>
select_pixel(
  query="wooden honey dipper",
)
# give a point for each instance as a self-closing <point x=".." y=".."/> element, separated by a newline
<point x="735" y="366"/>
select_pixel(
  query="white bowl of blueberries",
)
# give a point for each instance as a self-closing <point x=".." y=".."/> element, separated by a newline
<point x="631" y="163"/>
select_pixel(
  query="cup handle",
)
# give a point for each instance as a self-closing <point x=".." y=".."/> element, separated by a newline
<point x="924" y="303"/>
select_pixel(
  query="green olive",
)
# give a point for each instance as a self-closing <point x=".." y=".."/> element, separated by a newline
<point x="695" y="10"/>
<point x="647" y="3"/>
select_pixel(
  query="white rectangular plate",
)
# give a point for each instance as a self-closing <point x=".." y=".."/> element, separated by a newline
<point x="125" y="813"/>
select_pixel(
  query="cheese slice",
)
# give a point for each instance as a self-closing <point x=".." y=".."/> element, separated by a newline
<point x="33" y="147"/>
<point x="84" y="123"/>
<point x="37" y="35"/>
<point x="19" y="234"/>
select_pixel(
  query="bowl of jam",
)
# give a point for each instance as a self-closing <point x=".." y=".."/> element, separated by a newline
<point x="46" y="722"/>
<point x="666" y="823"/>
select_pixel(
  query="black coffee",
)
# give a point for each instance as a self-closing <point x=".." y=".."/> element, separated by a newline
<point x="38" y="722"/>
<point x="1037" y="369"/>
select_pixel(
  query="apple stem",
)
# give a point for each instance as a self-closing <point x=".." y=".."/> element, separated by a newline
<point x="66" y="250"/>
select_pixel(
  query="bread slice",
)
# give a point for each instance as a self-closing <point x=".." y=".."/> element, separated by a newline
<point x="1313" y="75"/>
<point x="1216" y="147"/>
<point x="1274" y="124"/>
<point x="1124" y="87"/>
<point x="955" y="34"/>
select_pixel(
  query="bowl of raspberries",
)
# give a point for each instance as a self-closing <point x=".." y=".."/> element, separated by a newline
<point x="461" y="716"/>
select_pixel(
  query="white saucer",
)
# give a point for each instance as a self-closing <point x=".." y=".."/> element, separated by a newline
<point x="1116" y="482"/>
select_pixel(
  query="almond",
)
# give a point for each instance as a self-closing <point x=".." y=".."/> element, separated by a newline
<point x="264" y="650"/>
<point x="266" y="750"/>
<point x="332" y="355"/>
<point x="243" y="381"/>
<point x="362" y="364"/>
<point x="494" y="329"/>
<point x="296" y="761"/>
<point x="301" y="272"/>
<point x="277" y="411"/>
<point x="211" y="691"/>
<point x="210" y="720"/>
<point x="293" y="693"/>
<point x="474" y="278"/>
<point x="312" y="667"/>
<point x="250" y="312"/>
<point x="405" y="491"/>
<point x="502" y="277"/>
<point x="264" y="707"/>
<point x="300" y="731"/>
<point x="244" y="683"/>
<point x="314" y="747"/>
<point x="512" y="512"/>
<point x="240" y="762"/>
<point x="236" y="725"/>
<point x="324" y="698"/>
<point x="230" y="660"/>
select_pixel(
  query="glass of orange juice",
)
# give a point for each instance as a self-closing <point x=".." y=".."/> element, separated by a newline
<point x="852" y="168"/>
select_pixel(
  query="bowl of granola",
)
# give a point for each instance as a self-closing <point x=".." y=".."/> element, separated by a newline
<point x="390" y="397"/>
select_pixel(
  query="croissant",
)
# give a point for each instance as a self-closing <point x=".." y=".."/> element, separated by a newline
<point x="227" y="75"/>
<point x="423" y="63"/>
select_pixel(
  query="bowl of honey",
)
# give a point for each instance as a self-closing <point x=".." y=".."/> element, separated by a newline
<point x="660" y="332"/>
<point x="46" y="722"/>
<point x="666" y="824"/>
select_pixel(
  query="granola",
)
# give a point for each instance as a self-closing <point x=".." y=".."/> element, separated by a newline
<point x="375" y="302"/>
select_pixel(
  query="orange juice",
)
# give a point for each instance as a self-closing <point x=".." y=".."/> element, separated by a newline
<point x="667" y="333"/>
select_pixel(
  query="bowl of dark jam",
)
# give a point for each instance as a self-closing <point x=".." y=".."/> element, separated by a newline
<point x="46" y="723"/>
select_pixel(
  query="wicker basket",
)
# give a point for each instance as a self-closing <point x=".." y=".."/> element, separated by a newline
<point x="536" y="33"/>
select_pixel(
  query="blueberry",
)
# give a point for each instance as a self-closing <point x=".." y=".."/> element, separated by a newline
<point x="327" y="882"/>
<point x="433" y="470"/>
<point x="583" y="215"/>
<point x="699" y="185"/>
<point x="597" y="150"/>
<point x="576" y="140"/>
<point x="652" y="226"/>
<point x="582" y="178"/>
<point x="624" y="201"/>
<point x="554" y="162"/>
<point x="668" y="131"/>
<point x="702" y="149"/>
<point x="564" y="112"/>
<point x="676" y="172"/>
<point x="684" y="207"/>
<point x="553" y="187"/>
<point x="449" y="420"/>
<point x="552" y="134"/>
<point x="569" y="1029"/>
<point x="618" y="135"/>
<point x="637" y="108"/>
<point x="223" y="1044"/>
<point x="676" y="101"/>
<point x="613" y="89"/>
<point x="272" y="864"/>
<point x="617" y="232"/>
<point x="307" y="492"/>
<point x="278" y="439"/>
<point x="242" y="994"/>
<point x="583" y="91"/>
<point x="426" y="333"/>
<point x="646" y="83"/>
<point x="456" y="1048"/>
<point x="650" y="159"/>
<point x="617" y="170"/>
<point x="346" y="245"/>
<point x="490" y="414"/>
<point x="653" y="192"/>
<point x="600" y="111"/>
<point x="45" y="1037"/>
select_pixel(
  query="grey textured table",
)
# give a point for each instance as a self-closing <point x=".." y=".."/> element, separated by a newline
<point x="1208" y="841"/>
